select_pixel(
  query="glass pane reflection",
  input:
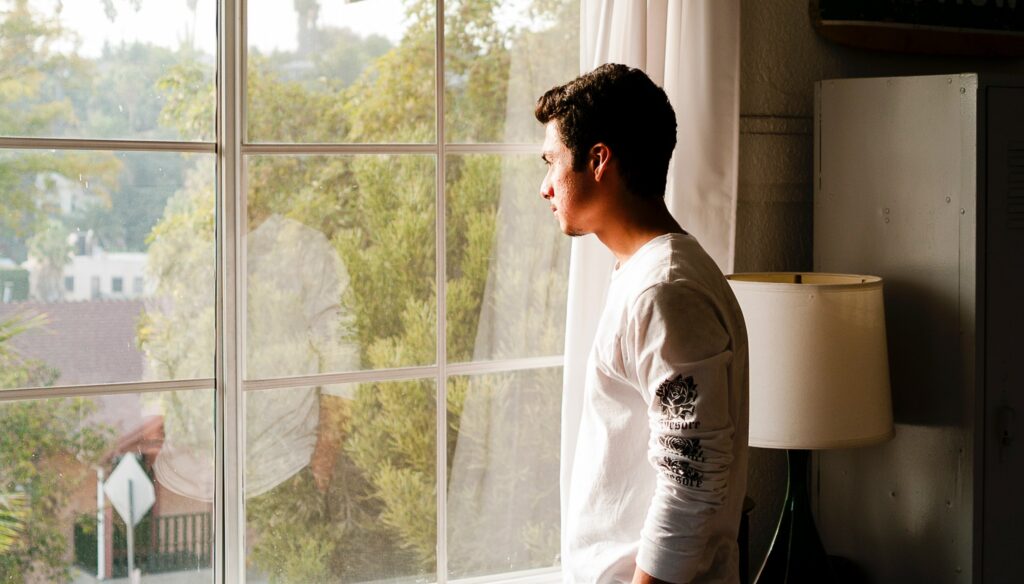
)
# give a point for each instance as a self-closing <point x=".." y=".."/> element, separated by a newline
<point x="340" y="264"/>
<point x="342" y="483"/>
<point x="138" y="70"/>
<point x="57" y="454"/>
<point x="503" y="448"/>
<point x="351" y="72"/>
<point x="499" y="58"/>
<point x="508" y="262"/>
<point x="106" y="267"/>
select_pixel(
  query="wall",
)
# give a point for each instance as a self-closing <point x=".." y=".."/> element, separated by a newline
<point x="782" y="57"/>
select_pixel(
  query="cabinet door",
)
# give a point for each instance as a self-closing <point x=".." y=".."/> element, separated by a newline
<point x="1003" y="349"/>
<point x="892" y="157"/>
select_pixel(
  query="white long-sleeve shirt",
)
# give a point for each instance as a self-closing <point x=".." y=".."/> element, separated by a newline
<point x="659" y="473"/>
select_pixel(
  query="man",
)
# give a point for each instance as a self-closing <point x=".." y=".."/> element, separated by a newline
<point x="659" y="473"/>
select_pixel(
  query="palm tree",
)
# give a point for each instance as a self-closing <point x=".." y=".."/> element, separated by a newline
<point x="13" y="511"/>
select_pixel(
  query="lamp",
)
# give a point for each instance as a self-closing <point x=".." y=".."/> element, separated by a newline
<point x="819" y="379"/>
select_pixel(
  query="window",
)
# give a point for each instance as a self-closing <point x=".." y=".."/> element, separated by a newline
<point x="391" y="290"/>
<point x="69" y="283"/>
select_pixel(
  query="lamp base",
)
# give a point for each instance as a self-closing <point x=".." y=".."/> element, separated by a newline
<point x="796" y="555"/>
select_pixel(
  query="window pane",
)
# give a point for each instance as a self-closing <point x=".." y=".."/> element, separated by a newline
<point x="140" y="69"/>
<point x="54" y="453"/>
<point x="507" y="263"/>
<point x="341" y="71"/>
<point x="76" y="226"/>
<point x="342" y="483"/>
<point x="503" y="509"/>
<point x="340" y="263"/>
<point x="499" y="58"/>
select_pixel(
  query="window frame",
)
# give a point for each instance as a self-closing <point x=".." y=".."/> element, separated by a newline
<point x="229" y="380"/>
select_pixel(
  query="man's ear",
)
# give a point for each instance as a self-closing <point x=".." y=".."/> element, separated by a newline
<point x="599" y="158"/>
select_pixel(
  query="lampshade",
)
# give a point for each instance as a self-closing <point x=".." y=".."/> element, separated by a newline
<point x="819" y="369"/>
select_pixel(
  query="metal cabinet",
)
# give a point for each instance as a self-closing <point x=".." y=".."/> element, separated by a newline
<point x="920" y="180"/>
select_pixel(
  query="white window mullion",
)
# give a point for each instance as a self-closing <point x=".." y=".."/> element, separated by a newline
<point x="387" y="148"/>
<point x="310" y="148"/>
<point x="404" y="373"/>
<point x="322" y="379"/>
<point x="441" y="392"/>
<point x="12" y="143"/>
<point x="229" y="522"/>
<point x="99" y="389"/>
<point x="493" y="148"/>
<point x="504" y="365"/>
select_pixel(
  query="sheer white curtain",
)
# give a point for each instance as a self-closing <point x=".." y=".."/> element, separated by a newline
<point x="691" y="48"/>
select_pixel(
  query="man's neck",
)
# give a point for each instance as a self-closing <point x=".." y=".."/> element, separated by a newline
<point x="636" y="223"/>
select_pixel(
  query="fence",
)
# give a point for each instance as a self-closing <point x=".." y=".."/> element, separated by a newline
<point x="168" y="543"/>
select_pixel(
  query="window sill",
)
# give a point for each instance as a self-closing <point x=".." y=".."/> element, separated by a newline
<point x="538" y="576"/>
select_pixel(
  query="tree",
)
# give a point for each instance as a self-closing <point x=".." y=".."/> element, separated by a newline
<point x="35" y="82"/>
<point x="50" y="249"/>
<point x="13" y="512"/>
<point x="48" y="432"/>
<point x="15" y="370"/>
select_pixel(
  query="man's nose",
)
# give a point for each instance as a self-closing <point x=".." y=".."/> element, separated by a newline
<point x="545" y="189"/>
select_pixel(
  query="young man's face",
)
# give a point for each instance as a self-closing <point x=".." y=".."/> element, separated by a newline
<point x="569" y="192"/>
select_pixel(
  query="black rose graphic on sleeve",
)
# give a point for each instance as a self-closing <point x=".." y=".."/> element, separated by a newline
<point x="677" y="397"/>
<point x="685" y="447"/>
<point x="681" y="472"/>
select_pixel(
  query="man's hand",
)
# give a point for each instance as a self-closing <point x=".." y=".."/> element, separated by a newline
<point x="641" y="577"/>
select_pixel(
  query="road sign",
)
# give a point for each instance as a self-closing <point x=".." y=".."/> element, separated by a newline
<point x="130" y="491"/>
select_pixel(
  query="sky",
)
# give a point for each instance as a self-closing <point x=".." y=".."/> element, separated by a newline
<point x="272" y="23"/>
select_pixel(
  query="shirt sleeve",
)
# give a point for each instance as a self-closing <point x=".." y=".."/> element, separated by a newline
<point x="680" y="351"/>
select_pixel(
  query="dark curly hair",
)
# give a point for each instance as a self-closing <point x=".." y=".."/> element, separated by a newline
<point x="622" y="108"/>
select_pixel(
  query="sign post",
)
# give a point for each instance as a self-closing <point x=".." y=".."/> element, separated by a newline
<point x="101" y="542"/>
<point x="131" y="493"/>
<point x="130" y="524"/>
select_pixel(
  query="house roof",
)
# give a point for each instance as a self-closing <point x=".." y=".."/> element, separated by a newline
<point x="88" y="342"/>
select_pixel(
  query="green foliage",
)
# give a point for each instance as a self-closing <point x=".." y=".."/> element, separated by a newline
<point x="28" y="62"/>
<point x="391" y="250"/>
<point x="36" y="82"/>
<point x="49" y="247"/>
<point x="15" y="280"/>
<point x="177" y="337"/>
<point x="286" y="111"/>
<point x="124" y="96"/>
<point x="46" y="453"/>
<point x="15" y="370"/>
<point x="393" y="100"/>
<point x="190" y="99"/>
<point x="298" y="543"/>
<point x="13" y="513"/>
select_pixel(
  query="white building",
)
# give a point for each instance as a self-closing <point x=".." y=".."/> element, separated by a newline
<point x="93" y="273"/>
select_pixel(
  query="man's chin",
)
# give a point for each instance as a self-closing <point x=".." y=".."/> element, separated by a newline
<point x="572" y="231"/>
